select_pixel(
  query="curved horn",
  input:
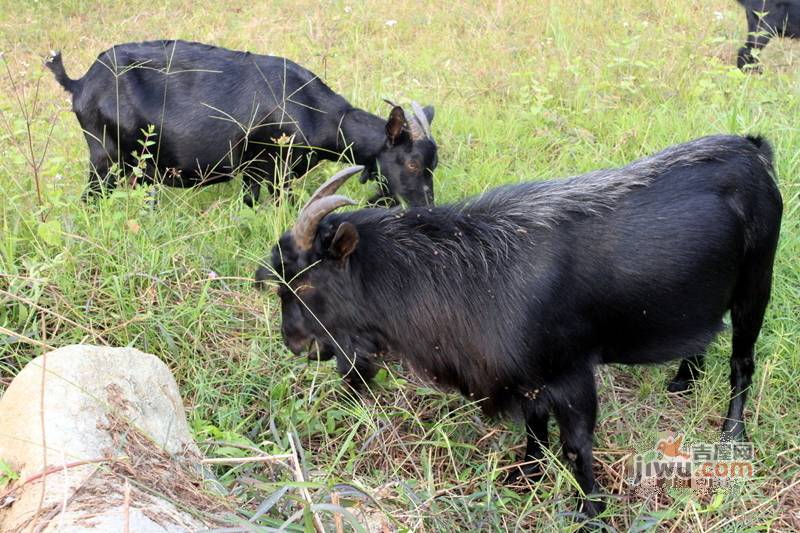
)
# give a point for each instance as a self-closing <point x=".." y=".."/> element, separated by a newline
<point x="332" y="184"/>
<point x="320" y="204"/>
<point x="305" y="228"/>
<point x="419" y="114"/>
<point x="415" y="129"/>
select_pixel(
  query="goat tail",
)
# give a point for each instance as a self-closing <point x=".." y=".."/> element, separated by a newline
<point x="56" y="65"/>
<point x="764" y="148"/>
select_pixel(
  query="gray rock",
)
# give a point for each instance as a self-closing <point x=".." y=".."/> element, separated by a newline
<point x="99" y="404"/>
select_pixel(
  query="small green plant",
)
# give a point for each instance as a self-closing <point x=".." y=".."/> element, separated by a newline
<point x="29" y="132"/>
<point x="7" y="474"/>
<point x="229" y="443"/>
<point x="143" y="157"/>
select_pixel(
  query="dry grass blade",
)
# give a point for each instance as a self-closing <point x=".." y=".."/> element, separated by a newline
<point x="279" y="458"/>
<point x="298" y="475"/>
<point x="126" y="508"/>
<point x="337" y="518"/>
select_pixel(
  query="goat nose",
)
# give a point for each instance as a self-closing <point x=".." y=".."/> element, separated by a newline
<point x="296" y="346"/>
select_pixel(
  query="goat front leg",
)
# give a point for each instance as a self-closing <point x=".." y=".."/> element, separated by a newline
<point x="575" y="408"/>
<point x="536" y="417"/>
<point x="355" y="365"/>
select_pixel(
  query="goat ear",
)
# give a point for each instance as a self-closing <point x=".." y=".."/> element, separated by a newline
<point x="429" y="112"/>
<point x="396" y="125"/>
<point x="344" y="241"/>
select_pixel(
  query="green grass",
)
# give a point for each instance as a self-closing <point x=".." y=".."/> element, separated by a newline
<point x="523" y="91"/>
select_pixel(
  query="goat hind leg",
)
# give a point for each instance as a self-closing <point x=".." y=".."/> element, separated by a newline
<point x="102" y="180"/>
<point x="757" y="38"/>
<point x="748" y="305"/>
<point x="688" y="374"/>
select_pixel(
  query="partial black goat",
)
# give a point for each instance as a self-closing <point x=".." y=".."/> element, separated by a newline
<point x="219" y="112"/>
<point x="513" y="297"/>
<point x="767" y="19"/>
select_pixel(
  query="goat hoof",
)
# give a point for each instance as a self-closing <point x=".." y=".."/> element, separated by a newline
<point x="524" y="474"/>
<point x="592" y="508"/>
<point x="737" y="434"/>
<point x="679" y="385"/>
<point x="356" y="385"/>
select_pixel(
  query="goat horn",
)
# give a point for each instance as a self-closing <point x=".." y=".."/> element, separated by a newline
<point x="332" y="184"/>
<point x="322" y="202"/>
<point x="305" y="228"/>
<point x="414" y="127"/>
<point x="419" y="113"/>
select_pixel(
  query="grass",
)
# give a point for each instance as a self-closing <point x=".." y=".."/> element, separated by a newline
<point x="523" y="91"/>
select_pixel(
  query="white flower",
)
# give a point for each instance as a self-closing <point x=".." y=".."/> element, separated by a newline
<point x="391" y="22"/>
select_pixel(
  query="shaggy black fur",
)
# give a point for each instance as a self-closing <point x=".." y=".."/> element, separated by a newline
<point x="220" y="112"/>
<point x="514" y="296"/>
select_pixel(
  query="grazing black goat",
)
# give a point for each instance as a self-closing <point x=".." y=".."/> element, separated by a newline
<point x="767" y="19"/>
<point x="219" y="112"/>
<point x="513" y="297"/>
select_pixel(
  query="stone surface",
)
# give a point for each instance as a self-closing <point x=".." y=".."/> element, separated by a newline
<point x="89" y="393"/>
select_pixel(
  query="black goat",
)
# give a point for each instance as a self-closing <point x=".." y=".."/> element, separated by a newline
<point x="219" y="112"/>
<point x="513" y="296"/>
<point x="767" y="19"/>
